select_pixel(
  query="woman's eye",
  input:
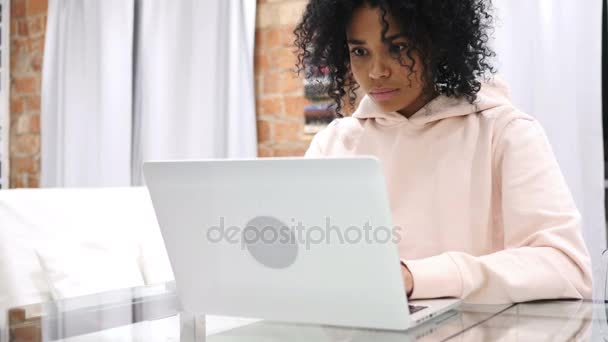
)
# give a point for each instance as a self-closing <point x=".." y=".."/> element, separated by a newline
<point x="398" y="48"/>
<point x="358" y="52"/>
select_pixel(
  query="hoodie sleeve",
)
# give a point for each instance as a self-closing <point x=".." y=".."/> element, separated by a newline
<point x="314" y="150"/>
<point x="320" y="146"/>
<point x="544" y="255"/>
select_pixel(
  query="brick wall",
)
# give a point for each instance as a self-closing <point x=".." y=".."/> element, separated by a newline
<point x="280" y="97"/>
<point x="28" y="24"/>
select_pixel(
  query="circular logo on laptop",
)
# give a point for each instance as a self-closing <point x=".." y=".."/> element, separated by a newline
<point x="270" y="241"/>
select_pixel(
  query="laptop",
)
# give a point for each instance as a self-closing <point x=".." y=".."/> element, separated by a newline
<point x="285" y="239"/>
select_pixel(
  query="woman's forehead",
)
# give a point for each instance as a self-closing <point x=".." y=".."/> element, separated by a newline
<point x="368" y="22"/>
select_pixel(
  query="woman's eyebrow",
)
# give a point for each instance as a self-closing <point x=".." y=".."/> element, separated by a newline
<point x="356" y="41"/>
<point x="395" y="36"/>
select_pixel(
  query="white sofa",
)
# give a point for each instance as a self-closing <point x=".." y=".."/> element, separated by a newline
<point x="68" y="242"/>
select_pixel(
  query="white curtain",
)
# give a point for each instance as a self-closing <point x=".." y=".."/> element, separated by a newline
<point x="549" y="51"/>
<point x="131" y="80"/>
<point x="86" y="93"/>
<point x="194" y="81"/>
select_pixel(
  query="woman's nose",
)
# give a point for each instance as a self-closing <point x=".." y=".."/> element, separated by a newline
<point x="379" y="69"/>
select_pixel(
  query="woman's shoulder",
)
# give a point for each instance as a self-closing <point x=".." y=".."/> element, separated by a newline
<point x="342" y="126"/>
<point x="516" y="135"/>
<point x="499" y="118"/>
<point x="335" y="133"/>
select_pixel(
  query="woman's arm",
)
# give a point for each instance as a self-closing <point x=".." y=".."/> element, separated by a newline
<point x="544" y="255"/>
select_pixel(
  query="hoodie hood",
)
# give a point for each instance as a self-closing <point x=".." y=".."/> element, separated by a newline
<point x="493" y="93"/>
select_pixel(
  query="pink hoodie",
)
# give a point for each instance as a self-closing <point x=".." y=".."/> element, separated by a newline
<point x="485" y="212"/>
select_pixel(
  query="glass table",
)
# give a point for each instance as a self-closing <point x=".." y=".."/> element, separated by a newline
<point x="153" y="313"/>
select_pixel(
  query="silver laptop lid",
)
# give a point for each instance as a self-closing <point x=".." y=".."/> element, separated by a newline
<point x="291" y="239"/>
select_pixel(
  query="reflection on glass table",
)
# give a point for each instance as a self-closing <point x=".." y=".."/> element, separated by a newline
<point x="153" y="314"/>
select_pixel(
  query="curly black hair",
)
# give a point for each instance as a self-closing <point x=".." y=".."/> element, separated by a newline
<point x="451" y="37"/>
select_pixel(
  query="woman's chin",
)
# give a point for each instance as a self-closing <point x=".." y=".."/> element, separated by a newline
<point x="387" y="107"/>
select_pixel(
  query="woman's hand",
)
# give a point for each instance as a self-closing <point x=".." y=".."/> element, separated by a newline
<point x="408" y="279"/>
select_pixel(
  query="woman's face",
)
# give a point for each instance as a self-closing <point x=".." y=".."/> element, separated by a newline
<point x="375" y="68"/>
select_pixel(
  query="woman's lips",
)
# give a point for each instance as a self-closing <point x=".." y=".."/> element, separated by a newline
<point x="384" y="94"/>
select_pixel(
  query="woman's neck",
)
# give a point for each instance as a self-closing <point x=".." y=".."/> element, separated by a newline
<point x="415" y="106"/>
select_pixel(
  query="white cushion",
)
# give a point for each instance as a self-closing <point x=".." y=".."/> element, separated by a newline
<point x="154" y="262"/>
<point x="117" y="218"/>
<point x="75" y="268"/>
<point x="22" y="281"/>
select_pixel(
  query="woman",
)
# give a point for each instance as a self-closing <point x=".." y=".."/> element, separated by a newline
<point x="473" y="182"/>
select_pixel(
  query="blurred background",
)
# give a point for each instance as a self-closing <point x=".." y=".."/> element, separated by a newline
<point x="90" y="89"/>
